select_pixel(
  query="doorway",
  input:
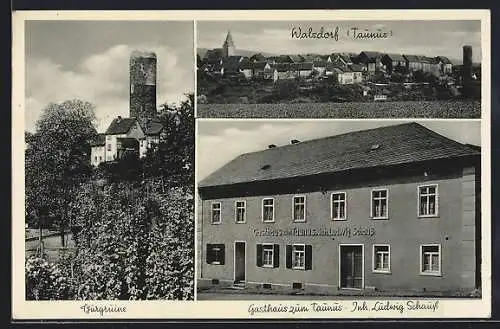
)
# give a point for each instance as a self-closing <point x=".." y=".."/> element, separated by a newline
<point x="351" y="266"/>
<point x="239" y="261"/>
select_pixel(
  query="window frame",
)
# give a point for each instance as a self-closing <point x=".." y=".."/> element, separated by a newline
<point x="236" y="211"/>
<point x="293" y="208"/>
<point x="213" y="247"/>
<point x="108" y="147"/>
<point x="268" y="245"/>
<point x="374" y="259"/>
<point x="386" y="203"/>
<point x="212" y="212"/>
<point x="431" y="273"/>
<point x="436" y="205"/>
<point x="262" y="210"/>
<point x="332" y="207"/>
<point x="303" y="245"/>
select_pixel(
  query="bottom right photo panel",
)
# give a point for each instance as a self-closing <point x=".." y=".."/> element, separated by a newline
<point x="339" y="209"/>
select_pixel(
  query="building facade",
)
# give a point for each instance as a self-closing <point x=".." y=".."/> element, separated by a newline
<point x="392" y="208"/>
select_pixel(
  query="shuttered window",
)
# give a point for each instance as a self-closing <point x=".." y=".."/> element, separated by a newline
<point x="299" y="256"/>
<point x="215" y="254"/>
<point x="268" y="255"/>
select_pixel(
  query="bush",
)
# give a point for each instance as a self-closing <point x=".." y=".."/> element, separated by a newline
<point x="47" y="281"/>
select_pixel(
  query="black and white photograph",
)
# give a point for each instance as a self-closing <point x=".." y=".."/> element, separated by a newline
<point x="339" y="210"/>
<point x="109" y="160"/>
<point x="339" y="69"/>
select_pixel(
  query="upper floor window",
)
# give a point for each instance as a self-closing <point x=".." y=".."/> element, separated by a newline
<point x="430" y="259"/>
<point x="240" y="211"/>
<point x="299" y="208"/>
<point x="216" y="213"/>
<point x="428" y="200"/>
<point x="380" y="201"/>
<point x="268" y="210"/>
<point x="109" y="147"/>
<point x="339" y="206"/>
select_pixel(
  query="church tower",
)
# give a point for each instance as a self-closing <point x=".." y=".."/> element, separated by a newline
<point x="142" y="85"/>
<point x="228" y="46"/>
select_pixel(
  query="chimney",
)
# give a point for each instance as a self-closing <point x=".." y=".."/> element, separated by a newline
<point x="271" y="146"/>
<point x="294" y="141"/>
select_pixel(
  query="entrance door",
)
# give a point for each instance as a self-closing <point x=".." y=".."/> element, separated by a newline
<point x="239" y="262"/>
<point x="351" y="267"/>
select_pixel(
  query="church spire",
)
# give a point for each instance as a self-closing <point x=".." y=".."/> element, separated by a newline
<point x="228" y="46"/>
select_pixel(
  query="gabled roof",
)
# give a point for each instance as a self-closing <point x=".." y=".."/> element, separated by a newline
<point x="259" y="65"/>
<point x="307" y="66"/>
<point x="98" y="140"/>
<point x="120" y="126"/>
<point x="371" y="55"/>
<point x="213" y="53"/>
<point x="151" y="126"/>
<point x="320" y="63"/>
<point x="412" y="58"/>
<point x="395" y="57"/>
<point x="373" y="148"/>
<point x="281" y="67"/>
<point x="443" y="59"/>
<point x="258" y="57"/>
<point x="296" y="58"/>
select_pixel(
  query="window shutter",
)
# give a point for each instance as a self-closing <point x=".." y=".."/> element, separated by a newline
<point x="259" y="255"/>
<point x="308" y="257"/>
<point x="209" y="254"/>
<point x="276" y="254"/>
<point x="222" y="254"/>
<point x="288" y="256"/>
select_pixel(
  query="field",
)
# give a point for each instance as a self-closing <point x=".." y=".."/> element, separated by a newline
<point x="404" y="109"/>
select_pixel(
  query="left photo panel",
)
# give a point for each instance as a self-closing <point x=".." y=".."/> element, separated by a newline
<point x="108" y="128"/>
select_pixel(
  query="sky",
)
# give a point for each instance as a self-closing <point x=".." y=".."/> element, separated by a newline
<point x="431" y="38"/>
<point x="89" y="60"/>
<point x="220" y="141"/>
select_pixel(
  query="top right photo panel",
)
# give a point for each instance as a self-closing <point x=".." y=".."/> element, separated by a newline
<point x="339" y="69"/>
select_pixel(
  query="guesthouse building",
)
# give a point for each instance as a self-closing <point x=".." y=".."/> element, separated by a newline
<point x="394" y="208"/>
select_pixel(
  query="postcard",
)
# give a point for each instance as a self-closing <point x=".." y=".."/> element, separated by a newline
<point x="253" y="165"/>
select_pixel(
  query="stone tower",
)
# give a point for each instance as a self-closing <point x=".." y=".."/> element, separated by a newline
<point x="467" y="65"/>
<point x="228" y="46"/>
<point x="142" y="84"/>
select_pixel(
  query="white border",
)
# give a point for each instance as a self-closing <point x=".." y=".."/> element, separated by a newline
<point x="21" y="309"/>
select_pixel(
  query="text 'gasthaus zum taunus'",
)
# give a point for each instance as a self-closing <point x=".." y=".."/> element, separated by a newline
<point x="355" y="306"/>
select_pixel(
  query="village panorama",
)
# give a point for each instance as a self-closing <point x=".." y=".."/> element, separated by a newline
<point x="228" y="75"/>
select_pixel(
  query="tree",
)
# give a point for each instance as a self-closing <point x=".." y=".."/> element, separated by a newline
<point x="142" y="245"/>
<point x="57" y="160"/>
<point x="172" y="161"/>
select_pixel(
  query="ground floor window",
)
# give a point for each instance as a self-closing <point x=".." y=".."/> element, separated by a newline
<point x="268" y="255"/>
<point x="430" y="259"/>
<point x="381" y="258"/>
<point x="215" y="254"/>
<point x="299" y="257"/>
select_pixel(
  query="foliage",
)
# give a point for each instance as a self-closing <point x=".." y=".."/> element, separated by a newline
<point x="56" y="158"/>
<point x="173" y="159"/>
<point x="140" y="247"/>
<point x="47" y="281"/>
